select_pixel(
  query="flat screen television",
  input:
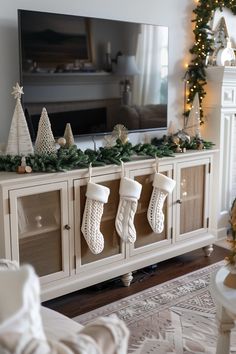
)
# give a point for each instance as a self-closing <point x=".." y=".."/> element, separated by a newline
<point x="92" y="73"/>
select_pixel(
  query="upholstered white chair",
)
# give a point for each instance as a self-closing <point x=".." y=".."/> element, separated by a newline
<point x="28" y="328"/>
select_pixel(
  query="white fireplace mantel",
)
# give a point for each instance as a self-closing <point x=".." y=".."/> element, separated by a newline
<point x="221" y="86"/>
<point x="225" y="74"/>
<point x="75" y="77"/>
<point x="57" y="87"/>
<point x="220" y="127"/>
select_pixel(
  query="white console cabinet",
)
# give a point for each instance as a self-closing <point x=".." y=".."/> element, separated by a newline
<point x="220" y="127"/>
<point x="41" y="219"/>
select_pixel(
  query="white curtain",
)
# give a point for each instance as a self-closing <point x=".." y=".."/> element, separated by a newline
<point x="152" y="62"/>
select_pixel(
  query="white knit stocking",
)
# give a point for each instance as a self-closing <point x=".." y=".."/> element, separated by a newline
<point x="162" y="185"/>
<point x="96" y="195"/>
<point x="130" y="191"/>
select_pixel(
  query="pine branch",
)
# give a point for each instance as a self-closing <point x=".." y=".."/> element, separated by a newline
<point x="203" y="46"/>
<point x="73" y="158"/>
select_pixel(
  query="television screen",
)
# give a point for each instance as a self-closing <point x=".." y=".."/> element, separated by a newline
<point x="93" y="73"/>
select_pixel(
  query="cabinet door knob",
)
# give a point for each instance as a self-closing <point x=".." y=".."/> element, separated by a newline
<point x="179" y="201"/>
<point x="67" y="227"/>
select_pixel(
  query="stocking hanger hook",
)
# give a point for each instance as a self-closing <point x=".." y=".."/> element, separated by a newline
<point x="156" y="166"/>
<point x="90" y="171"/>
<point x="122" y="169"/>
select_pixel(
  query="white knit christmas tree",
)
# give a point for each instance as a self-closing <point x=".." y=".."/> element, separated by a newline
<point x="19" y="141"/>
<point x="193" y="125"/>
<point x="68" y="135"/>
<point x="45" y="142"/>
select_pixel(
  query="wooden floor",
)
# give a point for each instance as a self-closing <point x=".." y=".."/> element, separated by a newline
<point x="102" y="294"/>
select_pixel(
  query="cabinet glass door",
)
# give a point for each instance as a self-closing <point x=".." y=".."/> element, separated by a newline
<point x="38" y="220"/>
<point x="192" y="199"/>
<point x="113" y="245"/>
<point x="145" y="236"/>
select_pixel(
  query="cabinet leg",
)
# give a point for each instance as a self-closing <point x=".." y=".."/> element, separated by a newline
<point x="208" y="250"/>
<point x="127" y="278"/>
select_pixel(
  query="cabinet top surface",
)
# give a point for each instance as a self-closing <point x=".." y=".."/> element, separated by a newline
<point x="135" y="163"/>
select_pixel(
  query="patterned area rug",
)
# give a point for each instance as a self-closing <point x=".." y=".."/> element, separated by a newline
<point x="174" y="317"/>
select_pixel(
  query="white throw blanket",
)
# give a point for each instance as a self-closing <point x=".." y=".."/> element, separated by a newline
<point x="21" y="329"/>
<point x="107" y="335"/>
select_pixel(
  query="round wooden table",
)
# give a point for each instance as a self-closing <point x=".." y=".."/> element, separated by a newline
<point x="225" y="311"/>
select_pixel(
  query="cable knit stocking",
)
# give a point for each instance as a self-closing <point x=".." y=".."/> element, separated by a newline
<point x="96" y="195"/>
<point x="162" y="185"/>
<point x="130" y="191"/>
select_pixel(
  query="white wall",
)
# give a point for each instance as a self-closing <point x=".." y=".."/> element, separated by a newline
<point x="176" y="14"/>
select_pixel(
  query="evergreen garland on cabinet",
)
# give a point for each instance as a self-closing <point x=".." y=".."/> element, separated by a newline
<point x="72" y="157"/>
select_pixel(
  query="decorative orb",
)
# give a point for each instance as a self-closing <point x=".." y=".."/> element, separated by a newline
<point x="61" y="141"/>
<point x="28" y="169"/>
<point x="200" y="146"/>
<point x="178" y="149"/>
<point x="175" y="139"/>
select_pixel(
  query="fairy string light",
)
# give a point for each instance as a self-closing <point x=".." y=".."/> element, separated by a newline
<point x="203" y="46"/>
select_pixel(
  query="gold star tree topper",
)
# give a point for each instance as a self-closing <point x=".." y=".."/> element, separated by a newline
<point x="17" y="91"/>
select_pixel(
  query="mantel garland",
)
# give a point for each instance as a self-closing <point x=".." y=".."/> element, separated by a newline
<point x="71" y="158"/>
<point x="195" y="75"/>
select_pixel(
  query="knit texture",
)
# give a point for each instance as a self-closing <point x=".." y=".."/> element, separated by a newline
<point x="129" y="191"/>
<point x="91" y="225"/>
<point x="45" y="142"/>
<point x="155" y="214"/>
<point x="125" y="220"/>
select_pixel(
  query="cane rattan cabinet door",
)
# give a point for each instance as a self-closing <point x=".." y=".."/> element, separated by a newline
<point x="192" y="198"/>
<point x="40" y="230"/>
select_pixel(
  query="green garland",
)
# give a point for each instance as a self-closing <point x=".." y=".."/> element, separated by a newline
<point x="194" y="143"/>
<point x="72" y="158"/>
<point x="203" y="46"/>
